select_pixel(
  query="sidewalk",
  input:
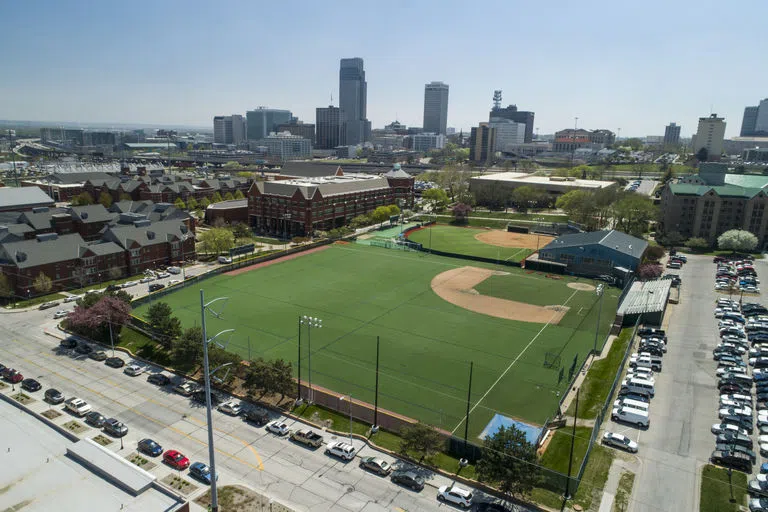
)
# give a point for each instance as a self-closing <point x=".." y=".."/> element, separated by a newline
<point x="618" y="467"/>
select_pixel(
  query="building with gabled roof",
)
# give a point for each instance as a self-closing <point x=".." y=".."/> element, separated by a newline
<point x="707" y="204"/>
<point x="23" y="199"/>
<point x="151" y="244"/>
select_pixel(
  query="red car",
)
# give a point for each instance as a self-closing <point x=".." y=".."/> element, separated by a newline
<point x="13" y="376"/>
<point x="175" y="459"/>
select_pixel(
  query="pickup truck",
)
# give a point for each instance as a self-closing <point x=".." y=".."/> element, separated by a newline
<point x="307" y="437"/>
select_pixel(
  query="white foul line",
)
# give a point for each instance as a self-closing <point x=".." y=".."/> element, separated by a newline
<point x="511" y="364"/>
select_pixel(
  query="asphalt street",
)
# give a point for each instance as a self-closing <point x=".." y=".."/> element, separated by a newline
<point x="293" y="475"/>
<point x="679" y="442"/>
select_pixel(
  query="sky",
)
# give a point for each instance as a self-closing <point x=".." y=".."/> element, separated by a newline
<point x="635" y="66"/>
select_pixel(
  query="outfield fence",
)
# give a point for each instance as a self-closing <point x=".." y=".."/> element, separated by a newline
<point x="453" y="254"/>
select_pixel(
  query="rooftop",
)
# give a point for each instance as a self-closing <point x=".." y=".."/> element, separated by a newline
<point x="223" y="205"/>
<point x="23" y="197"/>
<point x="613" y="239"/>
<point x="645" y="297"/>
<point x="523" y="178"/>
<point x="325" y="185"/>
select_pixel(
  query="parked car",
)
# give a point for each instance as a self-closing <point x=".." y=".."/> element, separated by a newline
<point x="307" y="437"/>
<point x="156" y="286"/>
<point x="175" y="459"/>
<point x="231" y="407"/>
<point x="185" y="388"/>
<point x="83" y="348"/>
<point x="48" y="305"/>
<point x="98" y="355"/>
<point x="53" y="396"/>
<point x="146" y="279"/>
<point x="159" y="379"/>
<point x="114" y="362"/>
<point x="201" y="472"/>
<point x="722" y="428"/>
<point x="150" y="447"/>
<point x="134" y="370"/>
<point x="257" y="415"/>
<point x="377" y="465"/>
<point x="734" y="448"/>
<point x="409" y="479"/>
<point x="738" y="461"/>
<point x="13" y="376"/>
<point x="60" y="314"/>
<point x="115" y="428"/>
<point x="30" y="385"/>
<point x="95" y="419"/>
<point x="619" y="441"/>
<point x="455" y="495"/>
<point x="73" y="298"/>
<point x="68" y="343"/>
<point x="734" y="439"/>
<point x="78" y="406"/>
<point x="278" y="427"/>
<point x="340" y="449"/>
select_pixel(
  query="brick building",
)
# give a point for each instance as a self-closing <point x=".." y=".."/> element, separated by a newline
<point x="300" y="206"/>
<point x="230" y="212"/>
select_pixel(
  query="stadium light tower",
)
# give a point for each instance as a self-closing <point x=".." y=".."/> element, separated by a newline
<point x="600" y="292"/>
<point x="310" y="322"/>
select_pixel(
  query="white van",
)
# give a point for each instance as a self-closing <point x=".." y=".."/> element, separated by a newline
<point x="630" y="415"/>
<point x="634" y="404"/>
<point x="653" y="363"/>
<point x="173" y="270"/>
<point x="224" y="260"/>
<point x="638" y="384"/>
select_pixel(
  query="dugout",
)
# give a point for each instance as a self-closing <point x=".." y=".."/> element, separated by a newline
<point x="645" y="301"/>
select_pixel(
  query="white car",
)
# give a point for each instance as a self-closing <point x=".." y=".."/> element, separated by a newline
<point x="736" y="404"/>
<point x="736" y="398"/>
<point x="146" y="279"/>
<point x="78" y="406"/>
<point x="231" y="407"/>
<point x="133" y="370"/>
<point x="619" y="441"/>
<point x="73" y="298"/>
<point x="719" y="312"/>
<point x="728" y="428"/>
<point x="129" y="284"/>
<point x="278" y="427"/>
<point x="456" y="495"/>
<point x="730" y="369"/>
<point x="174" y="281"/>
<point x="341" y="450"/>
<point x="163" y="275"/>
<point x="60" y="314"/>
<point x="745" y="412"/>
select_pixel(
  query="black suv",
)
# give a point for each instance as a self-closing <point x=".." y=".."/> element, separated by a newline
<point x="68" y="343"/>
<point x="83" y="348"/>
<point x="53" y="396"/>
<point x="735" y="460"/>
<point x="30" y="385"/>
<point x="199" y="396"/>
<point x="409" y="479"/>
<point x="114" y="362"/>
<point x="257" y="415"/>
<point x="156" y="286"/>
<point x="159" y="379"/>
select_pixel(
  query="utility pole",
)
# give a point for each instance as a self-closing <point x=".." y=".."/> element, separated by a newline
<point x="13" y="156"/>
<point x="469" y="400"/>
<point x="573" y="153"/>
<point x="573" y="439"/>
<point x="375" y="427"/>
<point x="599" y="291"/>
<point x="298" y="388"/>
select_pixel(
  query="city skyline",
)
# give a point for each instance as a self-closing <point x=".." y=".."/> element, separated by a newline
<point x="642" y="79"/>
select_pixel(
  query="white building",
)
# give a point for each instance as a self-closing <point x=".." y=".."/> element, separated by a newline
<point x="423" y="142"/>
<point x="229" y="129"/>
<point x="285" y="146"/>
<point x="508" y="133"/>
<point x="710" y="135"/>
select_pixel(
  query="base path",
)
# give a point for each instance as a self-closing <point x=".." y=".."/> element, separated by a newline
<point x="276" y="260"/>
<point x="510" y="239"/>
<point x="457" y="287"/>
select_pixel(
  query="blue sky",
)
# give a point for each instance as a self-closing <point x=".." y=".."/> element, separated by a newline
<point x="182" y="62"/>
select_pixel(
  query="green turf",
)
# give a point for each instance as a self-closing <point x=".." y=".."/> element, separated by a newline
<point x="460" y="240"/>
<point x="716" y="489"/>
<point x="362" y="292"/>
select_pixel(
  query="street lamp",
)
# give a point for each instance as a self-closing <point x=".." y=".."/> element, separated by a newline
<point x="206" y="341"/>
<point x="317" y="323"/>
<point x="349" y="398"/>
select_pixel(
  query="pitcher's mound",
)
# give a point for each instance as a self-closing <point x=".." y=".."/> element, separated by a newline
<point x="584" y="287"/>
<point x="457" y="287"/>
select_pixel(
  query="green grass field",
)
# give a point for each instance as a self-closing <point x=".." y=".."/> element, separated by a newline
<point x="460" y="240"/>
<point x="361" y="292"/>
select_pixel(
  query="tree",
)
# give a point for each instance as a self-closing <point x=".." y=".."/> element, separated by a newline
<point x="179" y="203"/>
<point x="217" y="240"/>
<point x="461" y="213"/>
<point x="228" y="196"/>
<point x="269" y="377"/>
<point x="82" y="199"/>
<point x="454" y="180"/>
<point x="737" y="240"/>
<point x="509" y="461"/>
<point x="187" y="349"/>
<point x="240" y="230"/>
<point x="380" y="214"/>
<point x="648" y="271"/>
<point x="654" y="252"/>
<point x="6" y="290"/>
<point x="216" y="198"/>
<point x="436" y="197"/>
<point x="192" y="203"/>
<point x="160" y="317"/>
<point x="697" y="244"/>
<point x="105" y="199"/>
<point x="125" y="197"/>
<point x="671" y="239"/>
<point x="115" y="272"/>
<point x="95" y="320"/>
<point x="204" y="203"/>
<point x="579" y="205"/>
<point x="360" y="221"/>
<point x="633" y="213"/>
<point x="42" y="283"/>
<point x="524" y="196"/>
<point x="239" y="194"/>
<point x="421" y="439"/>
<point x="702" y="154"/>
<point x="393" y="209"/>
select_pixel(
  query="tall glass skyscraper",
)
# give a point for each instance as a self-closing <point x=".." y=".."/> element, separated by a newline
<point x="353" y="98"/>
<point x="435" y="108"/>
<point x="264" y="120"/>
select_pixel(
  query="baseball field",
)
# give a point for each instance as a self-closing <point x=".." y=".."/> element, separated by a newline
<point x="434" y="315"/>
<point x="495" y="244"/>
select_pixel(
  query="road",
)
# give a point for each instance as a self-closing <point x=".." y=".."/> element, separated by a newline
<point x="678" y="442"/>
<point x="298" y="477"/>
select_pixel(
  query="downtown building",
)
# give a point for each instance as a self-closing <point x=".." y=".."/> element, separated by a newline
<point x="229" y="129"/>
<point x="570" y="139"/>
<point x="672" y="135"/>
<point x="482" y="143"/>
<point x="755" y="121"/>
<point x="329" y="123"/>
<point x="286" y="146"/>
<point x="710" y="134"/>
<point x="353" y="101"/>
<point x="435" y="108"/>
<point x="263" y="121"/>
<point x="511" y="113"/>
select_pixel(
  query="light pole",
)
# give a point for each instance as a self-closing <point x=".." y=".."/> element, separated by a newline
<point x="206" y="341"/>
<point x="599" y="291"/>
<point x="341" y="399"/>
<point x="310" y="322"/>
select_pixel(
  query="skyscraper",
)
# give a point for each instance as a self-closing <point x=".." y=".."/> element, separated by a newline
<point x="710" y="135"/>
<point x="510" y="112"/>
<point x="435" y="108"/>
<point x="329" y="126"/>
<point x="672" y="135"/>
<point x="761" y="124"/>
<point x="353" y="99"/>
<point x="264" y="120"/>
<point x="482" y="143"/>
<point x="229" y="129"/>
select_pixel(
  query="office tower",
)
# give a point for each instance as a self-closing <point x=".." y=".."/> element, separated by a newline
<point x="508" y="133"/>
<point x="761" y="123"/>
<point x="510" y="112"/>
<point x="710" y="135"/>
<point x="229" y="129"/>
<point x="296" y="127"/>
<point x="263" y="121"/>
<point x="424" y="142"/>
<point x="353" y="92"/>
<point x="435" y="108"/>
<point x="749" y="122"/>
<point x="672" y="135"/>
<point x="482" y="143"/>
<point x="329" y="126"/>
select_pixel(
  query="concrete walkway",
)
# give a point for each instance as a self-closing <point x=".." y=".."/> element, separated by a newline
<point x="618" y="467"/>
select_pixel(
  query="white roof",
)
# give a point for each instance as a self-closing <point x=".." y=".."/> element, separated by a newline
<point x="523" y="178"/>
